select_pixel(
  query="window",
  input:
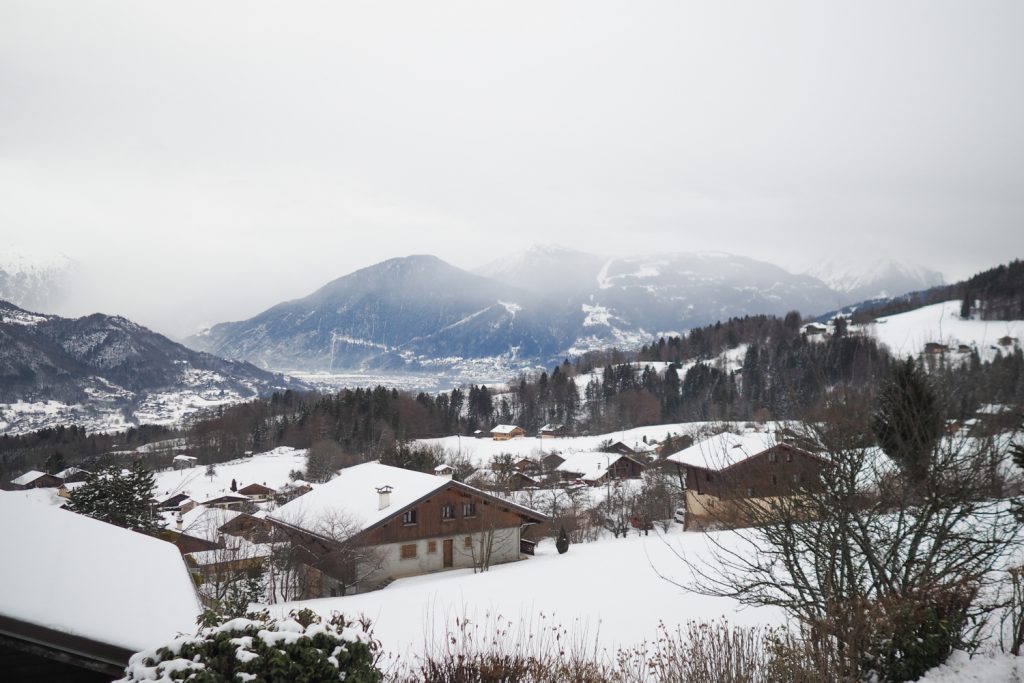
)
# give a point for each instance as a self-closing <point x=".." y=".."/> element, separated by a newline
<point x="796" y="478"/>
<point x="707" y="476"/>
<point x="469" y="509"/>
<point x="409" y="517"/>
<point x="750" y="492"/>
<point x="431" y="547"/>
<point x="467" y="542"/>
<point x="447" y="512"/>
<point x="789" y="456"/>
<point x="772" y="456"/>
<point x="409" y="551"/>
<point x="775" y="480"/>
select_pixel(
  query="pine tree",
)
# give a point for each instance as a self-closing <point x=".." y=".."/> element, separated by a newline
<point x="907" y="420"/>
<point x="120" y="497"/>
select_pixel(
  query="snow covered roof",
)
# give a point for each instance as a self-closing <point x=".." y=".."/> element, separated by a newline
<point x="552" y="427"/>
<point x="67" y="472"/>
<point x="353" y="494"/>
<point x="133" y="591"/>
<point x="504" y="429"/>
<point x="353" y="497"/>
<point x="591" y="466"/>
<point x="444" y="467"/>
<point x="201" y="522"/>
<point x="724" y="450"/>
<point x="28" y="477"/>
<point x="185" y="458"/>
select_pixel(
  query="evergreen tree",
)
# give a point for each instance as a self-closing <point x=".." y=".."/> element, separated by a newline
<point x="120" y="497"/>
<point x="55" y="463"/>
<point x="907" y="420"/>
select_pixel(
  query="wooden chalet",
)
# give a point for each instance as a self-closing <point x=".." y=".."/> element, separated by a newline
<point x="935" y="348"/>
<point x="506" y="432"/>
<point x="1006" y="340"/>
<point x="73" y="475"/>
<point x="182" y="461"/>
<point x="551" y="461"/>
<point x="598" y="467"/>
<point x="552" y="431"/>
<point x="34" y="479"/>
<point x="729" y="467"/>
<point x="257" y="492"/>
<point x="174" y="502"/>
<point x="404" y="523"/>
<point x="229" y="501"/>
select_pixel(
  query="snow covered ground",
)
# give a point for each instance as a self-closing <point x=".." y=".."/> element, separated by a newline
<point x="271" y="469"/>
<point x="481" y="451"/>
<point x="907" y="333"/>
<point x="608" y="592"/>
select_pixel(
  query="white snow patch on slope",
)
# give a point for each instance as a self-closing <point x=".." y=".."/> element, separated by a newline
<point x="271" y="468"/>
<point x="512" y="308"/>
<point x="596" y="315"/>
<point x="907" y="333"/>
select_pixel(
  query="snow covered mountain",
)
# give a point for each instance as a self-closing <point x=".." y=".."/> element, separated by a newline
<point x="390" y="315"/>
<point x="34" y="278"/>
<point x="523" y="309"/>
<point x="107" y="371"/>
<point x="881" y="279"/>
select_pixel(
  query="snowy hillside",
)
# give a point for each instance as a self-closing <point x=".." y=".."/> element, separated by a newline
<point x="907" y="333"/>
<point x="107" y="372"/>
<point x="271" y="468"/>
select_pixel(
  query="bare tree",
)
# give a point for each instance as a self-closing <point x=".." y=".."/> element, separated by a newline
<point x="311" y="557"/>
<point x="854" y="555"/>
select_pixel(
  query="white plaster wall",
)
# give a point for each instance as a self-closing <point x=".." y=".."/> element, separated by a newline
<point x="505" y="548"/>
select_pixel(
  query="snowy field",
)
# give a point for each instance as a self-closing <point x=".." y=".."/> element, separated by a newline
<point x="907" y="333"/>
<point x="481" y="451"/>
<point x="271" y="469"/>
<point x="608" y="592"/>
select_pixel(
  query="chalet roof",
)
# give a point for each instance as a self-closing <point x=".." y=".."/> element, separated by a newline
<point x="250" y="489"/>
<point x="590" y="465"/>
<point x="184" y="458"/>
<point x="227" y="498"/>
<point x="69" y="471"/>
<point x="504" y="429"/>
<point x="724" y="450"/>
<point x="201" y="522"/>
<point x="133" y="591"/>
<point x="353" y="496"/>
<point x="28" y="477"/>
<point x="552" y="428"/>
<point x="444" y="467"/>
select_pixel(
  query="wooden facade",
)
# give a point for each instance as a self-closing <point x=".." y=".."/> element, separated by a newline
<point x="502" y="435"/>
<point x="778" y="471"/>
<point x="483" y="513"/>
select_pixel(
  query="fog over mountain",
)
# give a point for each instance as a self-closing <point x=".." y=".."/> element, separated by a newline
<point x="419" y="313"/>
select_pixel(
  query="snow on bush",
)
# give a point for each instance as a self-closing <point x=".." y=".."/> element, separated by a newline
<point x="302" y="648"/>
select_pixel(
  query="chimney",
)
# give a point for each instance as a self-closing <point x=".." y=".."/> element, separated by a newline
<point x="177" y="522"/>
<point x="384" y="493"/>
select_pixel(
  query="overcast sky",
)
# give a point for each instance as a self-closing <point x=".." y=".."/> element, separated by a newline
<point x="204" y="160"/>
